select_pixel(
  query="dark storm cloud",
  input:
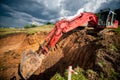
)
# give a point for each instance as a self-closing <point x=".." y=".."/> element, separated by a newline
<point x="21" y="12"/>
<point x="35" y="9"/>
<point x="24" y="12"/>
<point x="90" y="5"/>
<point x="112" y="4"/>
<point x="16" y="17"/>
<point x="73" y="6"/>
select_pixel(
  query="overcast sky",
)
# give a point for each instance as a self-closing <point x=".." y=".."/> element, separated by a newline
<point x="18" y="13"/>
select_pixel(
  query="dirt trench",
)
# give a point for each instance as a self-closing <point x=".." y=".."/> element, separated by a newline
<point x="11" y="49"/>
<point x="75" y="48"/>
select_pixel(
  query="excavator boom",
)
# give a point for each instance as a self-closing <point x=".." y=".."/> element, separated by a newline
<point x="64" y="26"/>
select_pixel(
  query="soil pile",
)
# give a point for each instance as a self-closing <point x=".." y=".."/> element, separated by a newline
<point x="99" y="53"/>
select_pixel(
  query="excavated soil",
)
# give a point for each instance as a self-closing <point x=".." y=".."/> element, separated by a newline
<point x="11" y="49"/>
<point x="76" y="48"/>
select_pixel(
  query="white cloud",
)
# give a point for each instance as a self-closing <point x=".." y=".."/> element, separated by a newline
<point x="78" y="13"/>
<point x="93" y="5"/>
<point x="64" y="12"/>
<point x="36" y="23"/>
<point x="86" y="5"/>
<point x="61" y="6"/>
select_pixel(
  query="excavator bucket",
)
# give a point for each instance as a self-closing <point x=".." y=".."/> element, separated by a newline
<point x="30" y="62"/>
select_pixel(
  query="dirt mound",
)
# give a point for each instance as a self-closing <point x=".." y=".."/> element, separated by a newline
<point x="81" y="49"/>
<point x="11" y="49"/>
<point x="76" y="48"/>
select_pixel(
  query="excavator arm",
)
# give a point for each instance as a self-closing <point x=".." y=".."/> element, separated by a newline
<point x="64" y="26"/>
<point x="31" y="61"/>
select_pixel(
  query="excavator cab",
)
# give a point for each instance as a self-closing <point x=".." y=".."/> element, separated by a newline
<point x="107" y="19"/>
<point x="111" y="19"/>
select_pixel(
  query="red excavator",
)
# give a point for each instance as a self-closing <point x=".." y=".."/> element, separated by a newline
<point x="31" y="61"/>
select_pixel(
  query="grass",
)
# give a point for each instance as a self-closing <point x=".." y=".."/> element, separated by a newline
<point x="113" y="47"/>
<point x="113" y="74"/>
<point x="32" y="30"/>
<point x="79" y="76"/>
<point x="1" y="67"/>
<point x="57" y="76"/>
<point x="43" y="28"/>
<point x="117" y="30"/>
<point x="87" y="75"/>
<point x="5" y="31"/>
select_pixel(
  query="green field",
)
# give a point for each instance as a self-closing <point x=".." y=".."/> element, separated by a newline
<point x="32" y="30"/>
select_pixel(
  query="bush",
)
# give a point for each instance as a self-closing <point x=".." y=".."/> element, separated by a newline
<point x="57" y="76"/>
<point x="79" y="76"/>
<point x="117" y="31"/>
<point x="30" y="26"/>
<point x="48" y="23"/>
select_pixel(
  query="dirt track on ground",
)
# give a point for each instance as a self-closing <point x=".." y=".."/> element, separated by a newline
<point x="76" y="48"/>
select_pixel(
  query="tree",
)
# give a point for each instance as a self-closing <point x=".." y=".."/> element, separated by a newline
<point x="48" y="23"/>
<point x="30" y="26"/>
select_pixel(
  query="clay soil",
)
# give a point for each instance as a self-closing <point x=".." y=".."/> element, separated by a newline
<point x="99" y="52"/>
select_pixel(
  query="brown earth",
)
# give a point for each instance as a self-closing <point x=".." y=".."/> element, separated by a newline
<point x="100" y="53"/>
<point x="11" y="49"/>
